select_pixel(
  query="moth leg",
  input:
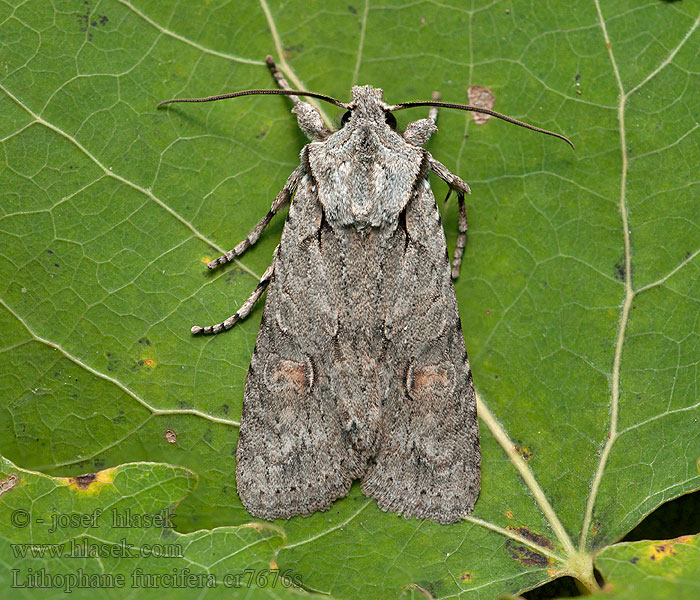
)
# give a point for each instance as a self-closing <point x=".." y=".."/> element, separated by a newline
<point x="281" y="199"/>
<point x="461" y="188"/>
<point x="247" y="306"/>
<point x="419" y="132"/>
<point x="309" y="119"/>
<point x="279" y="78"/>
<point x="461" y="237"/>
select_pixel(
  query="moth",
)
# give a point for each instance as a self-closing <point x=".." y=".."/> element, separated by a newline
<point x="360" y="369"/>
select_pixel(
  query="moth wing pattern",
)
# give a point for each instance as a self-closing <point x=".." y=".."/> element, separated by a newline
<point x="360" y="368"/>
<point x="293" y="457"/>
<point x="428" y="460"/>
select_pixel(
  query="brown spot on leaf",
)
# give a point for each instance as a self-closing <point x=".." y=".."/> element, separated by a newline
<point x="466" y="577"/>
<point x="8" y="483"/>
<point x="661" y="551"/>
<point x="509" y="514"/>
<point x="536" y="538"/>
<point x="170" y="436"/>
<point x="84" y="481"/>
<point x="147" y="363"/>
<point x="620" y="269"/>
<point x="526" y="556"/>
<point x="90" y="483"/>
<point x="86" y="21"/>
<point x="524" y="452"/>
<point x="480" y="97"/>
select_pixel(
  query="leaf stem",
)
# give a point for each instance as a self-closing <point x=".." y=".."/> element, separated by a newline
<point x="284" y="66"/>
<point x="502" y="438"/>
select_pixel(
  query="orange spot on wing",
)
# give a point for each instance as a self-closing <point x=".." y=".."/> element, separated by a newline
<point x="294" y="373"/>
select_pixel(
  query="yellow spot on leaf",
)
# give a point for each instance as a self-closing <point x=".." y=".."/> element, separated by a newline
<point x="509" y="514"/>
<point x="658" y="552"/>
<point x="524" y="452"/>
<point x="482" y="97"/>
<point x="90" y="483"/>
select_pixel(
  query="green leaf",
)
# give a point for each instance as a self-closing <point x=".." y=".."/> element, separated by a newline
<point x="652" y="569"/>
<point x="112" y="530"/>
<point x="579" y="293"/>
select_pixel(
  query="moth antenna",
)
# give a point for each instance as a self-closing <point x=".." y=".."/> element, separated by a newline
<point x="260" y="93"/>
<point x="485" y="111"/>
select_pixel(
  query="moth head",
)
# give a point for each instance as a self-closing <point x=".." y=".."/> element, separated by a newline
<point x="368" y="108"/>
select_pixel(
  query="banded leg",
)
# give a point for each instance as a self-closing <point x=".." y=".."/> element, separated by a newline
<point x="461" y="188"/>
<point x="461" y="237"/>
<point x="281" y="199"/>
<point x="245" y="309"/>
<point x="279" y="78"/>
<point x="309" y="119"/>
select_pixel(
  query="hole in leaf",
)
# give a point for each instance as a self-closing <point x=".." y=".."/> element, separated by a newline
<point x="671" y="520"/>
<point x="562" y="587"/>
